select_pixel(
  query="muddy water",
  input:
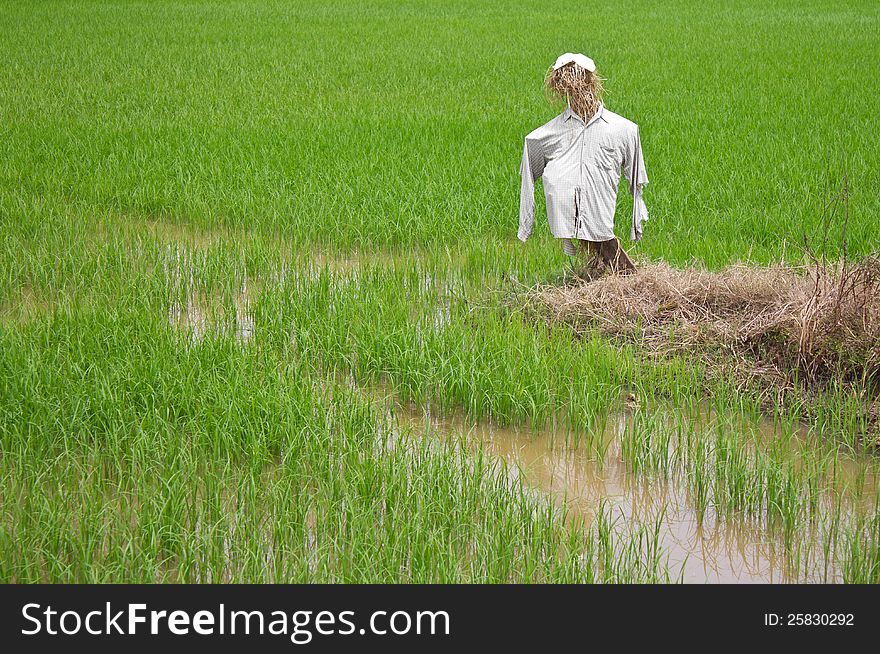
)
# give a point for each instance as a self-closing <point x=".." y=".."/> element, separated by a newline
<point x="713" y="551"/>
<point x="197" y="311"/>
<point x="197" y="315"/>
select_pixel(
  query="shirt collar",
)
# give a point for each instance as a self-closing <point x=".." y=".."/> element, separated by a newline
<point x="569" y="113"/>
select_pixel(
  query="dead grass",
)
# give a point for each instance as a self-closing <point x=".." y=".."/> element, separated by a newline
<point x="781" y="325"/>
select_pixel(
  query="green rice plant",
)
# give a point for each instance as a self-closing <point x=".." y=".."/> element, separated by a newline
<point x="646" y="446"/>
<point x="209" y="271"/>
<point x="861" y="561"/>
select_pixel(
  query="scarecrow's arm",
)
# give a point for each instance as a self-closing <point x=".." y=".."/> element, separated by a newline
<point x="531" y="168"/>
<point x="636" y="178"/>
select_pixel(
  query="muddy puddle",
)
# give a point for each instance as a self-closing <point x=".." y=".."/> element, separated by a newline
<point x="198" y="314"/>
<point x="711" y="550"/>
<point x="198" y="308"/>
<point x="195" y="308"/>
<point x="700" y="543"/>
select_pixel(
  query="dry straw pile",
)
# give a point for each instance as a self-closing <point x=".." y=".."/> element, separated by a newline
<point x="811" y="323"/>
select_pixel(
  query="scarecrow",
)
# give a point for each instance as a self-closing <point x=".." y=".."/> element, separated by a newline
<point x="580" y="155"/>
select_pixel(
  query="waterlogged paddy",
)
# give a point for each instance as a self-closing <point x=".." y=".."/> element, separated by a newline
<point x="698" y="548"/>
<point x="648" y="483"/>
<point x="210" y="264"/>
<point x="662" y="476"/>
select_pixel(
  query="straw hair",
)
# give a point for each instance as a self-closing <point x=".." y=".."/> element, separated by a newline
<point x="581" y="88"/>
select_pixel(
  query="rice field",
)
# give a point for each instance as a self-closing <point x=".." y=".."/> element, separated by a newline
<point x="263" y="309"/>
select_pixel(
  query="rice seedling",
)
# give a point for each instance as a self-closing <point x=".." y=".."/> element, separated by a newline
<point x="220" y="271"/>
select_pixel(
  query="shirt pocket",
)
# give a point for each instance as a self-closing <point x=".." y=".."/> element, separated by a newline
<point x="608" y="157"/>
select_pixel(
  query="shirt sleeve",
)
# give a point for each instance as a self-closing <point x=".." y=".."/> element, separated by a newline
<point x="636" y="178"/>
<point x="531" y="168"/>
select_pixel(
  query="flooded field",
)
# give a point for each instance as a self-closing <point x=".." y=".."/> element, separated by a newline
<point x="385" y="373"/>
<point x="699" y="546"/>
<point x="663" y="474"/>
<point x="264" y="315"/>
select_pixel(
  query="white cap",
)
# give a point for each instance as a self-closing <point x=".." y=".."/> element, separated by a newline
<point x="579" y="59"/>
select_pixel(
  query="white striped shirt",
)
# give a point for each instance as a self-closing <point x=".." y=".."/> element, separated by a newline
<point x="581" y="165"/>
